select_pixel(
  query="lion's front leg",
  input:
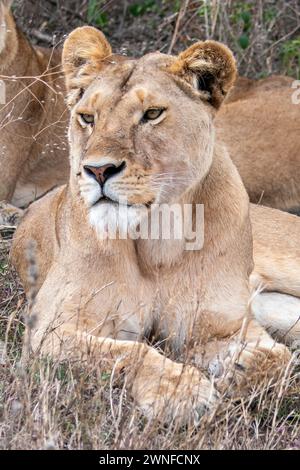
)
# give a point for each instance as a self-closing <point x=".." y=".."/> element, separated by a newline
<point x="251" y="358"/>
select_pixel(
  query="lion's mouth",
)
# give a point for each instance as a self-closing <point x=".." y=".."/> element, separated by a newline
<point x="108" y="200"/>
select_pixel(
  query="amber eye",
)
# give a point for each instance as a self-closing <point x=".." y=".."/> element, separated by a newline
<point x="152" y="113"/>
<point x="87" y="118"/>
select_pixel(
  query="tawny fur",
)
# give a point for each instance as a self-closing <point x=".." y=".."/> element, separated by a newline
<point x="106" y="296"/>
<point x="33" y="119"/>
<point x="260" y="125"/>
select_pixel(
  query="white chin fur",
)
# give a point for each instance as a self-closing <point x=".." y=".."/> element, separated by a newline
<point x="111" y="220"/>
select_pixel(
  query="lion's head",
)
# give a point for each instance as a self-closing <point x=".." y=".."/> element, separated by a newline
<point x="141" y="129"/>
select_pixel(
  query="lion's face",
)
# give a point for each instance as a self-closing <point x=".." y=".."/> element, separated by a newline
<point x="125" y="118"/>
<point x="141" y="130"/>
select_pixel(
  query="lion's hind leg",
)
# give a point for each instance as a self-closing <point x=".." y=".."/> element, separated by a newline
<point x="252" y="358"/>
<point x="279" y="314"/>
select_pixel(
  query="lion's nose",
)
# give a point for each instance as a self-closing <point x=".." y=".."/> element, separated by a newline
<point x="104" y="172"/>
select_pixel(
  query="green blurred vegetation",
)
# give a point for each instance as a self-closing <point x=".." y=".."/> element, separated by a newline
<point x="290" y="55"/>
<point x="96" y="14"/>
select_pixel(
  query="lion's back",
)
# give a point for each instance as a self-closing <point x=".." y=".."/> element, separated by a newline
<point x="254" y="124"/>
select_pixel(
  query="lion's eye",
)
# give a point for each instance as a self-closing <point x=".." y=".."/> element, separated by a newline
<point x="87" y="118"/>
<point x="152" y="113"/>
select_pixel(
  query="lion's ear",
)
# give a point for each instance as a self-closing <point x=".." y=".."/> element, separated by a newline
<point x="84" y="50"/>
<point x="210" y="67"/>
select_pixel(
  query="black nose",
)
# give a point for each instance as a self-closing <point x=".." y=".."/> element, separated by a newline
<point x="104" y="172"/>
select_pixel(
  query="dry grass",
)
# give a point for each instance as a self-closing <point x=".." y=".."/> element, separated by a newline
<point x="78" y="405"/>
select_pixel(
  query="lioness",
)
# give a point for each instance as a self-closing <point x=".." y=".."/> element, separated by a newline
<point x="142" y="131"/>
<point x="33" y="116"/>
